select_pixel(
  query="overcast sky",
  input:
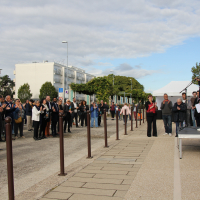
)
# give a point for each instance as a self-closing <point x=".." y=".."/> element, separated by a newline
<point x="151" y="40"/>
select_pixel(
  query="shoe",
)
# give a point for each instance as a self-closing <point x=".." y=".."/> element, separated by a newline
<point x="148" y="136"/>
<point x="44" y="137"/>
<point x="35" y="138"/>
<point x="176" y="135"/>
<point x="91" y="127"/>
<point x="2" y="140"/>
<point x="170" y="134"/>
<point x="16" y="137"/>
<point x="165" y="133"/>
<point x="54" y="136"/>
<point x="69" y="131"/>
<point x="29" y="130"/>
<point x="23" y="137"/>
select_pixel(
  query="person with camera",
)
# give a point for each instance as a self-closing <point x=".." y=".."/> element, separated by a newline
<point x="94" y="115"/>
<point x="151" y="108"/>
<point x="18" y="114"/>
<point x="44" y="118"/>
<point x="37" y="109"/>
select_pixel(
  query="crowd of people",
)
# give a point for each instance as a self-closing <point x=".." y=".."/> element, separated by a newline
<point x="43" y="116"/>
<point x="185" y="113"/>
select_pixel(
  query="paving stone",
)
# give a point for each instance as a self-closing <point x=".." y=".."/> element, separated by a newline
<point x="101" y="161"/>
<point x="120" y="193"/>
<point x="107" y="186"/>
<point x="92" y="197"/>
<point x="58" y="195"/>
<point x="85" y="175"/>
<point x="107" y="176"/>
<point x="120" y="162"/>
<point x="112" y="165"/>
<point x="100" y="192"/>
<point x="95" y="180"/>
<point x="103" y="172"/>
<point x="92" y="167"/>
<point x="120" y="169"/>
<point x="133" y="173"/>
<point x="72" y="184"/>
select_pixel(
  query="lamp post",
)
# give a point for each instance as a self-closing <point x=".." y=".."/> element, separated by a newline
<point x="113" y="81"/>
<point x="67" y="68"/>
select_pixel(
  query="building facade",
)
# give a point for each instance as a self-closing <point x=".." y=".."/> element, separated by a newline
<point x="61" y="76"/>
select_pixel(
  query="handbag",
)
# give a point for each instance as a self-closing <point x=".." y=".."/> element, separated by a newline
<point x="19" y="120"/>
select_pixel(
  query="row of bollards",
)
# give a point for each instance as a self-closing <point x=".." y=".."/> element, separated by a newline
<point x="8" y="121"/>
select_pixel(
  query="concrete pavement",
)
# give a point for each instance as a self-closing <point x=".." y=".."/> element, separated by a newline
<point x="136" y="167"/>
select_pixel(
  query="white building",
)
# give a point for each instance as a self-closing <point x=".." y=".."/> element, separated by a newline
<point x="36" y="74"/>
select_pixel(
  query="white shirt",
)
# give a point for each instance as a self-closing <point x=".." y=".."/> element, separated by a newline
<point x="75" y="106"/>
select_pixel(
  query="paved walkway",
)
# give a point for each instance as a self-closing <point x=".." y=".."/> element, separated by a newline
<point x="135" y="167"/>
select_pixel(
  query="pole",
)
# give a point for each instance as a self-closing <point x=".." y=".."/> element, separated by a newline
<point x="125" y="128"/>
<point x="105" y="129"/>
<point x="136" y="117"/>
<point x="62" y="168"/>
<point x="143" y="113"/>
<point x="88" y="135"/>
<point x="140" y="114"/>
<point x="117" y="126"/>
<point x="132" y="120"/>
<point x="9" y="158"/>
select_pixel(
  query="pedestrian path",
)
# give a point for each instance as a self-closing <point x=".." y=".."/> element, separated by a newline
<point x="135" y="167"/>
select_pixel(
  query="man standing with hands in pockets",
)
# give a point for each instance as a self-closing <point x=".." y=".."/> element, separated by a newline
<point x="166" y="107"/>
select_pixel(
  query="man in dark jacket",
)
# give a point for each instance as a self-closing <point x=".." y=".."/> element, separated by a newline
<point x="74" y="108"/>
<point x="67" y="112"/>
<point x="29" y="106"/>
<point x="55" y="116"/>
<point x="179" y="110"/>
<point x="166" y="107"/>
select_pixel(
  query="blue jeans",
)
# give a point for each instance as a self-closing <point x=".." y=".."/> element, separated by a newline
<point x="193" y="118"/>
<point x="92" y="121"/>
<point x="167" y="119"/>
<point x="177" y="126"/>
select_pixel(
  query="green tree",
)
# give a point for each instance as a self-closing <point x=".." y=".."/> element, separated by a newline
<point x="47" y="89"/>
<point x="24" y="92"/>
<point x="6" y="86"/>
<point x="100" y="86"/>
<point x="196" y="73"/>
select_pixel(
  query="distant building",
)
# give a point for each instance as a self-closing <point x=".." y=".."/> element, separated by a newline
<point x="36" y="74"/>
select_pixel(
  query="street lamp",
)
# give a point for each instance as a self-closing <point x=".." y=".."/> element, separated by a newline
<point x="67" y="65"/>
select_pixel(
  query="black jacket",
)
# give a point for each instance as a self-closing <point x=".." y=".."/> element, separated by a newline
<point x="66" y="110"/>
<point x="55" y="115"/>
<point x="28" y="109"/>
<point x="179" y="115"/>
<point x="9" y="113"/>
<point x="82" y="108"/>
<point x="102" y="107"/>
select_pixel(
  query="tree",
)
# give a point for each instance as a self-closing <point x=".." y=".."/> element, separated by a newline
<point x="24" y="92"/>
<point x="6" y="86"/>
<point x="100" y="86"/>
<point x="196" y="73"/>
<point x="48" y="89"/>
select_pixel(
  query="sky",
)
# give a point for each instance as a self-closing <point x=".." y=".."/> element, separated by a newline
<point x="151" y="40"/>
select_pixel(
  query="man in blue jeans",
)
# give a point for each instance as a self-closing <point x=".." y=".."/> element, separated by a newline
<point x="166" y="107"/>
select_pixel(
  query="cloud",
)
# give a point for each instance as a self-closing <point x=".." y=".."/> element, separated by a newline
<point x="95" y="30"/>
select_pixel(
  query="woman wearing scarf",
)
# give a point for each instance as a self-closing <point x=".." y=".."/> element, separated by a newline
<point x="18" y="118"/>
<point x="151" y="108"/>
<point x="36" y="117"/>
<point x="44" y="117"/>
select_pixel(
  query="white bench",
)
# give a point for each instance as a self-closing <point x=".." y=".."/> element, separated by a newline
<point x="187" y="133"/>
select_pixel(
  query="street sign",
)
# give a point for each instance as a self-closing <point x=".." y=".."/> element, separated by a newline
<point x="60" y="98"/>
<point x="60" y="90"/>
<point x="66" y="92"/>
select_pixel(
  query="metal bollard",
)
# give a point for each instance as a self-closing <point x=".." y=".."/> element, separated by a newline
<point x="125" y="128"/>
<point x="105" y="129"/>
<point x="117" y="126"/>
<point x="62" y="168"/>
<point x="143" y="113"/>
<point x="88" y="135"/>
<point x="136" y="117"/>
<point x="132" y="120"/>
<point x="8" y="121"/>
<point x="140" y="115"/>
